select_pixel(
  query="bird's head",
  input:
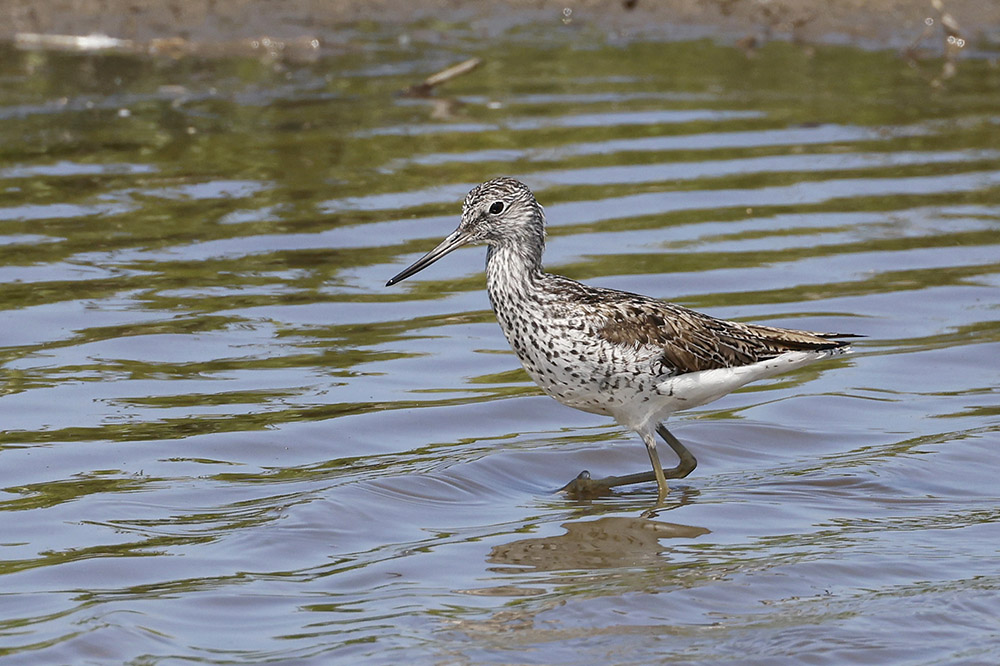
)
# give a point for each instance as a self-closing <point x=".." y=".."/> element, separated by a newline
<point x="499" y="212"/>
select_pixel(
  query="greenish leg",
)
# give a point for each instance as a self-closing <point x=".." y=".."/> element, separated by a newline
<point x="584" y="485"/>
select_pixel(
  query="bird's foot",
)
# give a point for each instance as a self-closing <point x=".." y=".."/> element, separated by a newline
<point x="585" y="486"/>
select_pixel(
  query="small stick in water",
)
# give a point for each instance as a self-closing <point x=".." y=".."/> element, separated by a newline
<point x="425" y="88"/>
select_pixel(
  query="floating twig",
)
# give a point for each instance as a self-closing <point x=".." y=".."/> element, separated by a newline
<point x="425" y="88"/>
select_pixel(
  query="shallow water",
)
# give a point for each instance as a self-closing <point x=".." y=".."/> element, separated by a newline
<point x="225" y="441"/>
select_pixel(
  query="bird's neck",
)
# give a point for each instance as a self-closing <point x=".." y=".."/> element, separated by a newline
<point x="512" y="269"/>
<point x="514" y="262"/>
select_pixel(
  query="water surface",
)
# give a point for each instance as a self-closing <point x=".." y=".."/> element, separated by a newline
<point x="224" y="440"/>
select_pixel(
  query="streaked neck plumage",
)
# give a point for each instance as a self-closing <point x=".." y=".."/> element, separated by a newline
<point x="514" y="262"/>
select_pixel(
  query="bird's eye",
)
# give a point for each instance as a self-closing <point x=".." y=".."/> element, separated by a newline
<point x="496" y="208"/>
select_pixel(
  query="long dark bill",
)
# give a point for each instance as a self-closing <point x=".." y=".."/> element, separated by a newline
<point x="455" y="240"/>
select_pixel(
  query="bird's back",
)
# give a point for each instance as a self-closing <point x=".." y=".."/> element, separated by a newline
<point x="690" y="341"/>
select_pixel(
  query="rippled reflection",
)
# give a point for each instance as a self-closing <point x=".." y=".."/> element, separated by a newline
<point x="605" y="543"/>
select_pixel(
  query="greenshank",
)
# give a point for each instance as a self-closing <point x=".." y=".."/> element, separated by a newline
<point x="634" y="358"/>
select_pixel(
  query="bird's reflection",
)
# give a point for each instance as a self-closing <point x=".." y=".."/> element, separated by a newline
<point x="609" y="542"/>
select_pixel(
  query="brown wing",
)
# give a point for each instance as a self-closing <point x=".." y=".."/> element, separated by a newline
<point x="692" y="341"/>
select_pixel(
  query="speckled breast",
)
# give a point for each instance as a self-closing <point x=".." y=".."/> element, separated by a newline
<point x="567" y="358"/>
